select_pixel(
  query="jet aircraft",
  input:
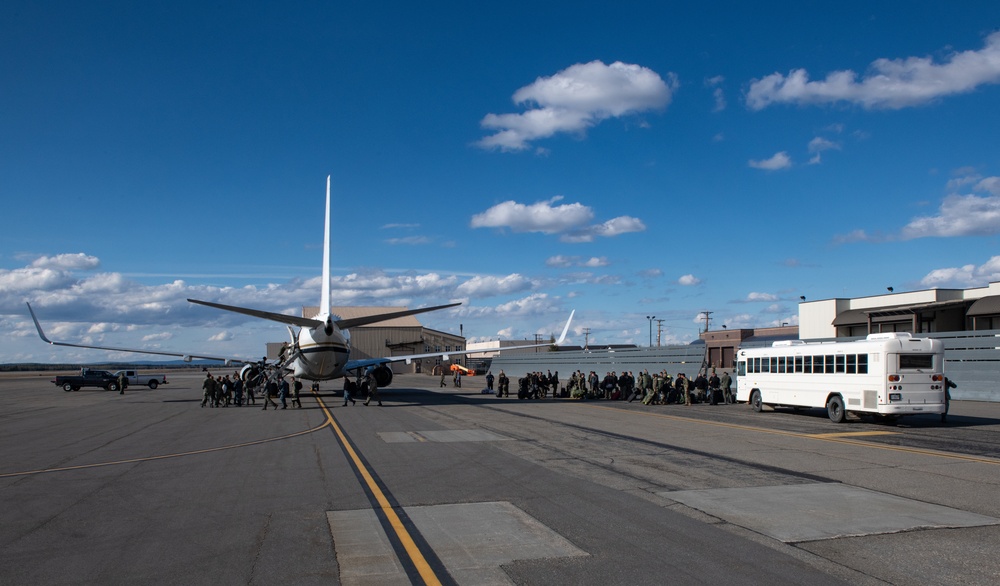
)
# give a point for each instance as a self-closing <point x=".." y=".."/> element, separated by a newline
<point x="319" y="348"/>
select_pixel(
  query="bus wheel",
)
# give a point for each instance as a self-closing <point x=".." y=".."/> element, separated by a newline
<point x="835" y="409"/>
<point x="755" y="401"/>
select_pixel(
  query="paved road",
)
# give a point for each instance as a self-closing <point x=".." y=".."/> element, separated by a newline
<point x="446" y="486"/>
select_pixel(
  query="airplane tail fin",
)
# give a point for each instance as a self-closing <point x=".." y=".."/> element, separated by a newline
<point x="324" y="302"/>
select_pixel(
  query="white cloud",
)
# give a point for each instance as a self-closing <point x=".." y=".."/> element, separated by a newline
<point x="66" y="262"/>
<point x="778" y="161"/>
<point x="717" y="93"/>
<point x="964" y="276"/>
<point x="409" y="240"/>
<point x="221" y="337"/>
<point x="157" y="337"/>
<point x="575" y="99"/>
<point x="490" y="286"/>
<point x="537" y="217"/>
<point x="818" y="145"/>
<point x="569" y="220"/>
<point x="688" y="280"/>
<point x="562" y="262"/>
<point x="889" y="83"/>
<point x="961" y="215"/>
<point x="754" y="296"/>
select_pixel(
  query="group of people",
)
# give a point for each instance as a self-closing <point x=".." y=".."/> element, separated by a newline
<point x="224" y="391"/>
<point x="657" y="389"/>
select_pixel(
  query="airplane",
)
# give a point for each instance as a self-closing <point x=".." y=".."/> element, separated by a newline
<point x="319" y="350"/>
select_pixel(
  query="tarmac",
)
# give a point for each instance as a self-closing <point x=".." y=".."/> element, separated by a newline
<point x="452" y="486"/>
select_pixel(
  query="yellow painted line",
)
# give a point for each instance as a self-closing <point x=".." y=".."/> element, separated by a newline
<point x="166" y="456"/>
<point x="852" y="434"/>
<point x="819" y="437"/>
<point x="416" y="436"/>
<point x="423" y="568"/>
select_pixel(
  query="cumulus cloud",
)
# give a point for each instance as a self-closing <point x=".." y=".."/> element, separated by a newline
<point x="778" y="161"/>
<point x="66" y="262"/>
<point x="688" y="280"/>
<point x="888" y="84"/>
<point x="489" y="286"/>
<point x="575" y="99"/>
<point x="961" y="214"/>
<point x="221" y="337"/>
<point x="964" y="276"/>
<point x="754" y="296"/>
<point x="571" y="221"/>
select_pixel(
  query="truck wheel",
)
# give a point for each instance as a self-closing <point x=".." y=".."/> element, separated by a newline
<point x="835" y="409"/>
<point x="755" y="402"/>
<point x="153" y="384"/>
<point x="68" y="387"/>
<point x="112" y="387"/>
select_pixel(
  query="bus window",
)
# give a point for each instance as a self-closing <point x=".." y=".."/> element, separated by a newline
<point x="741" y="368"/>
<point x="852" y="363"/>
<point x="756" y="365"/>
<point x="840" y="363"/>
<point x="781" y="364"/>
<point x="774" y="364"/>
<point x="798" y="364"/>
<point x="807" y="365"/>
<point x="862" y="364"/>
<point x="916" y="361"/>
<point x="828" y="364"/>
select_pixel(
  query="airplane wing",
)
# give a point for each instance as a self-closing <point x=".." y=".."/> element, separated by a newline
<point x="228" y="360"/>
<point x="359" y="364"/>
<point x="372" y="319"/>
<point x="278" y="317"/>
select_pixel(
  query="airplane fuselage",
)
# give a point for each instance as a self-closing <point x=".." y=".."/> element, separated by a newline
<point x="322" y="353"/>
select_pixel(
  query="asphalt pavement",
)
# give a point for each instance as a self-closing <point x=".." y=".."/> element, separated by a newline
<point x="453" y="486"/>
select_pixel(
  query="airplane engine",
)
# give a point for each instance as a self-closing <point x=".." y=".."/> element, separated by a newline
<point x="252" y="373"/>
<point x="383" y="376"/>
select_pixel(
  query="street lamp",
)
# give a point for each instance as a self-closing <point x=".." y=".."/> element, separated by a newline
<point x="650" y="318"/>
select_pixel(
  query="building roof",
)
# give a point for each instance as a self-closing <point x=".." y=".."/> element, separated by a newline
<point x="985" y="306"/>
<point x="891" y="313"/>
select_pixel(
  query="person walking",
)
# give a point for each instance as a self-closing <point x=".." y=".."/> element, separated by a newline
<point x="270" y="391"/>
<point x="372" y="387"/>
<point x="296" y="388"/>
<point x="209" y="387"/>
<point x="283" y="393"/>
<point x="122" y="382"/>
<point x="348" y="387"/>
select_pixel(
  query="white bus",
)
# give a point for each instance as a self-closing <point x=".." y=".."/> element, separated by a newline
<point x="885" y="375"/>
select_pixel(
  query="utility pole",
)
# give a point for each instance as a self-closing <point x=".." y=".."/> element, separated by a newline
<point x="659" y="330"/>
<point x="707" y="319"/>
<point x="586" y="338"/>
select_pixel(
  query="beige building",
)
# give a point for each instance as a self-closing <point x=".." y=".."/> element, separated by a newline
<point x="918" y="312"/>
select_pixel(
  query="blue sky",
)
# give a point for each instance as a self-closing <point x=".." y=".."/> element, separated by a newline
<point x="621" y="159"/>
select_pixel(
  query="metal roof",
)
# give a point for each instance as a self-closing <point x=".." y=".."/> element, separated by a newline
<point x="985" y="306"/>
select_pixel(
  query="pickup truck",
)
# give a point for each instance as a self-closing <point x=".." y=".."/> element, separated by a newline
<point x="88" y="378"/>
<point x="147" y="380"/>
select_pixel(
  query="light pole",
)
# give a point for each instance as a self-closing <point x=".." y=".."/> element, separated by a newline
<point x="650" y="318"/>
